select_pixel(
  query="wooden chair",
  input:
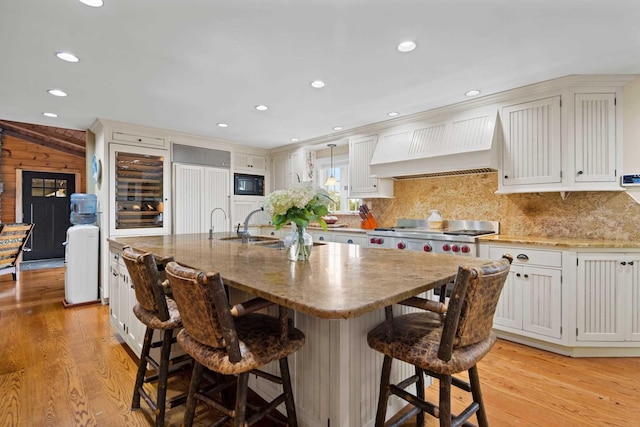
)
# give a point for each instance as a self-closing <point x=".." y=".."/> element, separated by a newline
<point x="440" y="342"/>
<point x="231" y="342"/>
<point x="12" y="240"/>
<point x="157" y="312"/>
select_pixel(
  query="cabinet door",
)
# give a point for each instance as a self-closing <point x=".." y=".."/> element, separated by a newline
<point x="509" y="308"/>
<point x="189" y="203"/>
<point x="595" y="137"/>
<point x="531" y="151"/>
<point x="216" y="195"/>
<point x="601" y="300"/>
<point x="633" y="267"/>
<point x="253" y="162"/>
<point x="135" y="328"/>
<point x="279" y="172"/>
<point x="541" y="301"/>
<point x="360" y="154"/>
<point x="350" y="238"/>
<point x="114" y="297"/>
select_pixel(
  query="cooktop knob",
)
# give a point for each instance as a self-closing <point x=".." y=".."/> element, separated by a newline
<point x="455" y="248"/>
<point x="427" y="248"/>
<point x="380" y="240"/>
<point x="446" y="247"/>
<point x="372" y="240"/>
<point x="401" y="245"/>
<point x="465" y="249"/>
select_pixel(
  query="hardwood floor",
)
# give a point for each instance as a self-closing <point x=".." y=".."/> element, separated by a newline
<point x="65" y="367"/>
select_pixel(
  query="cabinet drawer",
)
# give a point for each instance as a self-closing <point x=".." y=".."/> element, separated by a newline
<point x="350" y="239"/>
<point x="528" y="256"/>
<point x="138" y="139"/>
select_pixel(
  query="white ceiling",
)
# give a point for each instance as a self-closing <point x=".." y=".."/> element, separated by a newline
<point x="186" y="65"/>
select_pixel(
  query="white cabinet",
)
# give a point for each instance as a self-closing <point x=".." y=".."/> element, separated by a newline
<point x="138" y="138"/>
<point x="593" y="133"/>
<point x="531" y="152"/>
<point x="121" y="302"/>
<point x="243" y="207"/>
<point x="291" y="168"/>
<point x="198" y="190"/>
<point x="531" y="300"/>
<point x="608" y="297"/>
<point x="251" y="162"/>
<point x="338" y="237"/>
<point x="362" y="185"/>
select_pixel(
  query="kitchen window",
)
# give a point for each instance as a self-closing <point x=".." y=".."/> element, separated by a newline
<point x="338" y="192"/>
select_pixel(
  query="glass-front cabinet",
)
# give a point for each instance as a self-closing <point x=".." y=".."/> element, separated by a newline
<point x="139" y="190"/>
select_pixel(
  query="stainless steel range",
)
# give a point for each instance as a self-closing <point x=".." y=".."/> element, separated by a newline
<point x="456" y="237"/>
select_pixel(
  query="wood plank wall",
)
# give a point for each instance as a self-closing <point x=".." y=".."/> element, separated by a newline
<point x="20" y="154"/>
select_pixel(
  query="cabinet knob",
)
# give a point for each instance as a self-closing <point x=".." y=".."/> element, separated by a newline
<point x="321" y="238"/>
<point x="630" y="262"/>
<point x="517" y="274"/>
<point x="506" y="177"/>
<point x="623" y="263"/>
<point x="580" y="172"/>
<point x="350" y="241"/>
<point x="526" y="276"/>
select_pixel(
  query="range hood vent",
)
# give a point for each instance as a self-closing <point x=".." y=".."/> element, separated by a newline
<point x="452" y="173"/>
<point x="454" y="145"/>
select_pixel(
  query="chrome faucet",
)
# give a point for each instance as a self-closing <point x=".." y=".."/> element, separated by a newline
<point x="244" y="234"/>
<point x="211" y="221"/>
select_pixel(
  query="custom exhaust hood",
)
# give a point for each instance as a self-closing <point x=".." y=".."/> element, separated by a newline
<point x="453" y="145"/>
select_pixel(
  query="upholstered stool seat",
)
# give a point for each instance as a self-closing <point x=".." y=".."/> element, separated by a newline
<point x="158" y="313"/>
<point x="233" y="343"/>
<point x="440" y="342"/>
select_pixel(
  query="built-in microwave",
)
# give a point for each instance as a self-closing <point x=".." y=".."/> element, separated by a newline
<point x="248" y="185"/>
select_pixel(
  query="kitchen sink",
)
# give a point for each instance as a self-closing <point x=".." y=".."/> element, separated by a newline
<point x="280" y="244"/>
<point x="252" y="239"/>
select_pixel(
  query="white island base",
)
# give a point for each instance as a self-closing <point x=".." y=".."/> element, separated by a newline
<point x="335" y="375"/>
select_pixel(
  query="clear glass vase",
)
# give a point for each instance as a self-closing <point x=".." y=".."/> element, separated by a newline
<point x="298" y="243"/>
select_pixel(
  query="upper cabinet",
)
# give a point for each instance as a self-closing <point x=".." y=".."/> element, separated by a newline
<point x="362" y="185"/>
<point x="594" y="138"/>
<point x="250" y="162"/>
<point x="531" y="152"/>
<point x="290" y="168"/>
<point x="568" y="141"/>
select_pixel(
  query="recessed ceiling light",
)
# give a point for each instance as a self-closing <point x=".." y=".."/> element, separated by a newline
<point x="337" y="128"/>
<point x="261" y="107"/>
<point x="57" y="92"/>
<point x="50" y="114"/>
<point x="294" y="140"/>
<point x="66" y="56"/>
<point x="92" y="3"/>
<point x="473" y="93"/>
<point x="407" y="46"/>
<point x="317" y="84"/>
<point x="222" y="125"/>
<point x="393" y="114"/>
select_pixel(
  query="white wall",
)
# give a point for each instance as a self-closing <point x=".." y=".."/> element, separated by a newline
<point x="631" y="132"/>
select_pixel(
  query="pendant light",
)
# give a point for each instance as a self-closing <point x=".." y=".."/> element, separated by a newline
<point x="331" y="180"/>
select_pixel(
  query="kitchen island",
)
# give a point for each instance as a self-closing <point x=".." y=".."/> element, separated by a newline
<point x="336" y="297"/>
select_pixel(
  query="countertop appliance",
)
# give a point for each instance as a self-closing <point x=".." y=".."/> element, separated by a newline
<point x="457" y="237"/>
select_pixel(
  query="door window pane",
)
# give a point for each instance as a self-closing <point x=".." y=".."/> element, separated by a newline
<point x="37" y="187"/>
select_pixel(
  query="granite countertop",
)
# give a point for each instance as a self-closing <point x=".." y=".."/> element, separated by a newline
<point x="340" y="281"/>
<point x="560" y="242"/>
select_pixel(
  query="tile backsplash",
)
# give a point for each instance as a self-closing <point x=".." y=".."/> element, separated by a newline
<point x="582" y="215"/>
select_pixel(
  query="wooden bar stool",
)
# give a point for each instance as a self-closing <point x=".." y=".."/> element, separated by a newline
<point x="157" y="312"/>
<point x="230" y="341"/>
<point x="440" y="342"/>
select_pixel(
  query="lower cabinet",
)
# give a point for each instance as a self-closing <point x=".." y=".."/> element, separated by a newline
<point x="338" y="237"/>
<point x="608" y="297"/>
<point x="531" y="300"/>
<point x="122" y="298"/>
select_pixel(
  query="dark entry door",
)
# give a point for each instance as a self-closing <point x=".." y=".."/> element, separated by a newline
<point x="46" y="199"/>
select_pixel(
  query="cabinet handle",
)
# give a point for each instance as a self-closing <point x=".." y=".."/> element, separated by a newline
<point x="522" y="257"/>
<point x="350" y="241"/>
<point x="630" y="262"/>
<point x="623" y="263"/>
<point x="273" y="233"/>
<point x="580" y="172"/>
<point x="321" y="238"/>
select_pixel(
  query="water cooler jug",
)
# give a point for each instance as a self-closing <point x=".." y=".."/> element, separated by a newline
<point x="81" y="251"/>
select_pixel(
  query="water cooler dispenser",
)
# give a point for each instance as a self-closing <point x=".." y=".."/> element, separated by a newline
<point x="81" y="252"/>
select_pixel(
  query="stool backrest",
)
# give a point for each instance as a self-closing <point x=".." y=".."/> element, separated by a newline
<point x="472" y="305"/>
<point x="204" y="308"/>
<point x="146" y="280"/>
